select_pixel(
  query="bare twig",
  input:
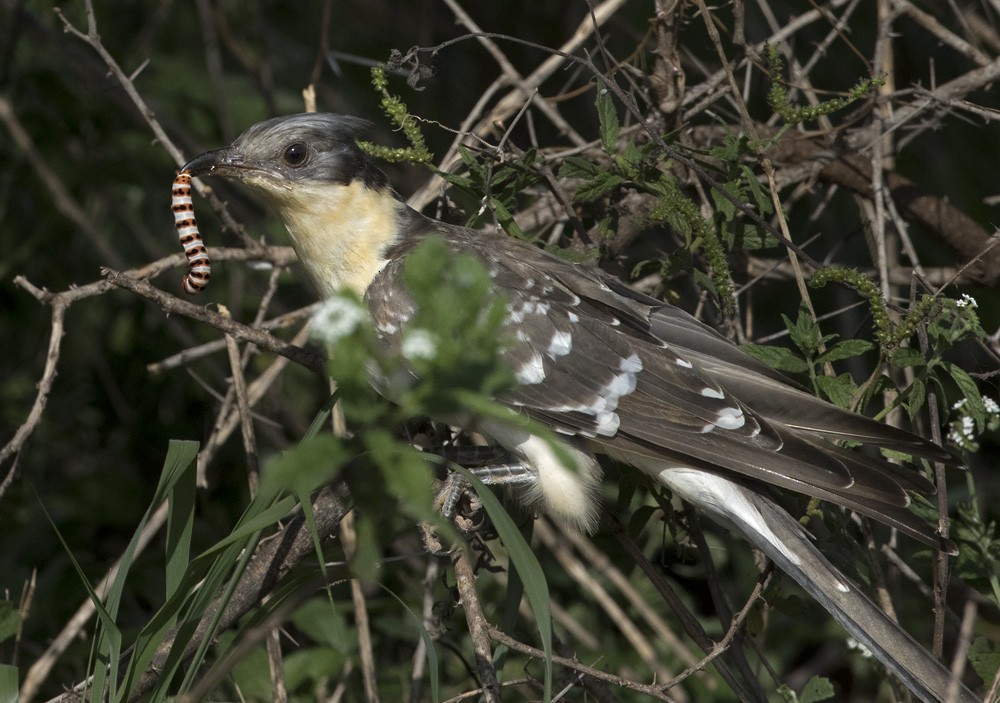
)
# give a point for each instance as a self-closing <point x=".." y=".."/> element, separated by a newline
<point x="479" y="628"/>
<point x="653" y="690"/>
<point x="23" y="433"/>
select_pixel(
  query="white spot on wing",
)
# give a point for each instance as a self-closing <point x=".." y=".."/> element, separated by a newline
<point x="561" y="344"/>
<point x="517" y="312"/>
<point x="684" y="363"/>
<point x="731" y="419"/>
<point x="532" y="371"/>
<point x="632" y="364"/>
<point x="712" y="393"/>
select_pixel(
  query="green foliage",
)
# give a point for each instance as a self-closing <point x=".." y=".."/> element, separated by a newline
<point x="607" y="118"/>
<point x="486" y="189"/>
<point x="638" y="168"/>
<point x="978" y="561"/>
<point x="984" y="655"/>
<point x="777" y="98"/>
<point x="815" y="350"/>
<point x="947" y="323"/>
<point x="817" y="688"/>
<point x="741" y="183"/>
<point x="395" y="109"/>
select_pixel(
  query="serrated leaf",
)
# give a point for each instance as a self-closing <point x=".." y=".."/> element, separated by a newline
<point x="577" y="167"/>
<point x="916" y="398"/>
<point x="607" y="117"/>
<point x="781" y="358"/>
<point x="839" y="390"/>
<point x="902" y="357"/>
<point x="818" y="688"/>
<point x="974" y="406"/>
<point x="724" y="205"/>
<point x="597" y="186"/>
<point x="506" y="219"/>
<point x="845" y="350"/>
<point x="761" y="196"/>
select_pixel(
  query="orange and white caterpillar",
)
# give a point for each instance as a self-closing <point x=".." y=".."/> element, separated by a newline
<point x="199" y="266"/>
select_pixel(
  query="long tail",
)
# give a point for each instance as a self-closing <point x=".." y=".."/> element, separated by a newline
<point x="784" y="540"/>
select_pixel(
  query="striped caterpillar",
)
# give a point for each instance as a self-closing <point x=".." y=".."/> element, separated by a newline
<point x="199" y="266"/>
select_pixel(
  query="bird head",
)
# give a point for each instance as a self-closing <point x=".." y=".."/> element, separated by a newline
<point x="333" y="199"/>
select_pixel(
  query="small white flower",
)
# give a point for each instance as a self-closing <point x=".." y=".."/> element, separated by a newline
<point x="336" y="318"/>
<point x="966" y="300"/>
<point x="862" y="649"/>
<point x="991" y="405"/>
<point x="419" y="344"/>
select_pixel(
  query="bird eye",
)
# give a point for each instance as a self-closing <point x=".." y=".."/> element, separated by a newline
<point x="295" y="154"/>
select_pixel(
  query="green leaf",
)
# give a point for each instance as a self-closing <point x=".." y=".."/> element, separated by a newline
<point x="368" y="553"/>
<point x="804" y="332"/>
<point x="845" y="350"/>
<point x="984" y="655"/>
<point x="781" y="358"/>
<point x="305" y="467"/>
<point x="607" y="117"/>
<point x="817" y="688"/>
<point x="598" y="185"/>
<point x="10" y="619"/>
<point x="916" y="398"/>
<point x="578" y="167"/>
<point x="902" y="357"/>
<point x="839" y="390"/>
<point x="8" y="684"/>
<point x="182" y="502"/>
<point x="318" y="618"/>
<point x="974" y="406"/>
<point x="304" y="667"/>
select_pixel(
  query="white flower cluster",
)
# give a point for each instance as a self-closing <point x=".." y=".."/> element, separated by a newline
<point x="337" y="318"/>
<point x="860" y="647"/>
<point x="419" y="343"/>
<point x="966" y="301"/>
<point x="963" y="429"/>
<point x="963" y="432"/>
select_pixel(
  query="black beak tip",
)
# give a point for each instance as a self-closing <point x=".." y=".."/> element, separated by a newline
<point x="205" y="164"/>
<point x="202" y="164"/>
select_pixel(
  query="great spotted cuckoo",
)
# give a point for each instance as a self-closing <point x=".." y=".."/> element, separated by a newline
<point x="612" y="372"/>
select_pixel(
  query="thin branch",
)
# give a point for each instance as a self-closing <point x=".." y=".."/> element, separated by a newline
<point x="479" y="627"/>
<point x="172" y="304"/>
<point x="24" y="432"/>
<point x="652" y="690"/>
